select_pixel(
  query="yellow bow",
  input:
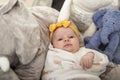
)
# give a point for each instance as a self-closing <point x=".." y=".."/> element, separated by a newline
<point x="63" y="23"/>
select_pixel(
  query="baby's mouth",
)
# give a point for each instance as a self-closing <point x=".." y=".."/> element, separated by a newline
<point x="67" y="45"/>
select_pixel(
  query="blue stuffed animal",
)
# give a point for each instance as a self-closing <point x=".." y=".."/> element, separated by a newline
<point x="108" y="34"/>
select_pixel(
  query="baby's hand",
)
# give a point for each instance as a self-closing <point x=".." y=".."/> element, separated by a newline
<point x="4" y="64"/>
<point x="87" y="60"/>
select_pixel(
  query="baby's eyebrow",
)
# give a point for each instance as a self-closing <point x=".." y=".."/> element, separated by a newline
<point x="58" y="37"/>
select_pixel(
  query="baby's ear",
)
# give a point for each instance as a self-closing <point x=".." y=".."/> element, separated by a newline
<point x="97" y="17"/>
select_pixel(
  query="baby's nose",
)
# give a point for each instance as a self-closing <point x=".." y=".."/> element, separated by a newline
<point x="67" y="40"/>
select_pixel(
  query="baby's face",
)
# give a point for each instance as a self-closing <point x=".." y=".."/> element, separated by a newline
<point x="66" y="39"/>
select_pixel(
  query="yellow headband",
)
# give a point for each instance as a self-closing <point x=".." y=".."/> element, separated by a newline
<point x="63" y="23"/>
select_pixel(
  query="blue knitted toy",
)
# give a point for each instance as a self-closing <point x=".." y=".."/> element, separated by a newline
<point x="108" y="34"/>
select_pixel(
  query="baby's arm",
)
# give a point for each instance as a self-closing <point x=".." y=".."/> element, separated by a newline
<point x="87" y="60"/>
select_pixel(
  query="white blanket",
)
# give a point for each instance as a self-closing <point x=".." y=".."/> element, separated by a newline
<point x="62" y="65"/>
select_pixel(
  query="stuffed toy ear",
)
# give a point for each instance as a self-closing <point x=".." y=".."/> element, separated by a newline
<point x="111" y="23"/>
<point x="97" y="17"/>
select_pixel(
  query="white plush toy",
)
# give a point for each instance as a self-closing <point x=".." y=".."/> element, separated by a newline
<point x="81" y="12"/>
<point x="4" y="64"/>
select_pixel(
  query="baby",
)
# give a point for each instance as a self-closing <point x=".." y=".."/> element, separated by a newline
<point x="67" y="60"/>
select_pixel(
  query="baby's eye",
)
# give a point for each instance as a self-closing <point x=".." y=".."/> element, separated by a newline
<point x="71" y="37"/>
<point x="60" y="39"/>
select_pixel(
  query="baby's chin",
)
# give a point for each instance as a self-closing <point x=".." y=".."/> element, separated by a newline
<point x="71" y="50"/>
